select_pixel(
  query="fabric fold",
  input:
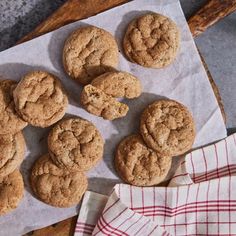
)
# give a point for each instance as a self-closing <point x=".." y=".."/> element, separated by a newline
<point x="200" y="200"/>
<point x="207" y="208"/>
<point x="210" y="162"/>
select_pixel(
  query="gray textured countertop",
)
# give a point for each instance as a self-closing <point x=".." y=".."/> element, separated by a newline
<point x="217" y="45"/>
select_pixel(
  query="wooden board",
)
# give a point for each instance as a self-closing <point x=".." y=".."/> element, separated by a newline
<point x="74" y="10"/>
<point x="210" y="14"/>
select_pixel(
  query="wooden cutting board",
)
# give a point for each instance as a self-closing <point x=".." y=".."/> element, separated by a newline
<point x="74" y="10"/>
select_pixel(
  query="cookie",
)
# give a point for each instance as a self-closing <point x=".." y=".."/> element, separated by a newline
<point x="10" y="122"/>
<point x="89" y="52"/>
<point x="152" y="40"/>
<point x="11" y="191"/>
<point x="98" y="103"/>
<point x="139" y="165"/>
<point x="12" y="151"/>
<point x="40" y="99"/>
<point x="118" y="84"/>
<point x="168" y="127"/>
<point x="75" y="144"/>
<point x="55" y="186"/>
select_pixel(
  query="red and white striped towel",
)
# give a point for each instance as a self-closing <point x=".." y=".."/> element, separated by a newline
<point x="203" y="201"/>
<point x="214" y="161"/>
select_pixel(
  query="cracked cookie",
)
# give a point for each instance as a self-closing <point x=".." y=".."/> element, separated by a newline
<point x="139" y="165"/>
<point x="96" y="102"/>
<point x="55" y="186"/>
<point x="10" y="122"/>
<point x="89" y="52"/>
<point x="118" y="84"/>
<point x="11" y="191"/>
<point x="12" y="147"/>
<point x="40" y="99"/>
<point x="152" y="40"/>
<point x="75" y="144"/>
<point x="168" y="127"/>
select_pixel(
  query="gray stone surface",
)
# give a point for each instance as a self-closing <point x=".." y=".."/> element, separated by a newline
<point x="19" y="17"/>
<point x="217" y="45"/>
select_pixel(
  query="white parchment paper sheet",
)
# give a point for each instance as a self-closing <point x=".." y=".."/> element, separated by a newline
<point x="185" y="80"/>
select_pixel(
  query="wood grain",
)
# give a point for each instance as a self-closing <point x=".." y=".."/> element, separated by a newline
<point x="215" y="89"/>
<point x="74" y="10"/>
<point x="63" y="228"/>
<point x="71" y="11"/>
<point x="209" y="14"/>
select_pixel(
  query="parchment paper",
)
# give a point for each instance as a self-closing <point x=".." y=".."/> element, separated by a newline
<point x="185" y="80"/>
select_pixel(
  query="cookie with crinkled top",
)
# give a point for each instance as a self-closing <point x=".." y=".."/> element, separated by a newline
<point x="11" y="191"/>
<point x="10" y="121"/>
<point x="89" y="52"/>
<point x="168" y="127"/>
<point x="40" y="99"/>
<point x="75" y="144"/>
<point x="118" y="84"/>
<point x="98" y="103"/>
<point x="12" y="151"/>
<point x="152" y="40"/>
<point x="55" y="186"/>
<point x="139" y="165"/>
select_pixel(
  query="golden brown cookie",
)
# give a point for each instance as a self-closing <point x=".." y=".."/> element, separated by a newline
<point x="11" y="191"/>
<point x="152" y="40"/>
<point x="40" y="99"/>
<point x="12" y="151"/>
<point x="139" y="165"/>
<point x="75" y="144"/>
<point x="89" y="52"/>
<point x="55" y="186"/>
<point x="118" y="84"/>
<point x="10" y="122"/>
<point x="96" y="102"/>
<point x="168" y="127"/>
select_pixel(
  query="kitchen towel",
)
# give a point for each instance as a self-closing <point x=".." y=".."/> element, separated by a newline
<point x="214" y="161"/>
<point x="203" y="201"/>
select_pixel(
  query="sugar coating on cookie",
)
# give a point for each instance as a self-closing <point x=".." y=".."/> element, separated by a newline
<point x="139" y="165"/>
<point x="11" y="191"/>
<point x="152" y="40"/>
<point x="75" y="144"/>
<point x="55" y="186"/>
<point x="40" y="99"/>
<point x="89" y="52"/>
<point x="10" y="122"/>
<point x="12" y="151"/>
<point x="96" y="102"/>
<point x="168" y="127"/>
<point x="118" y="84"/>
